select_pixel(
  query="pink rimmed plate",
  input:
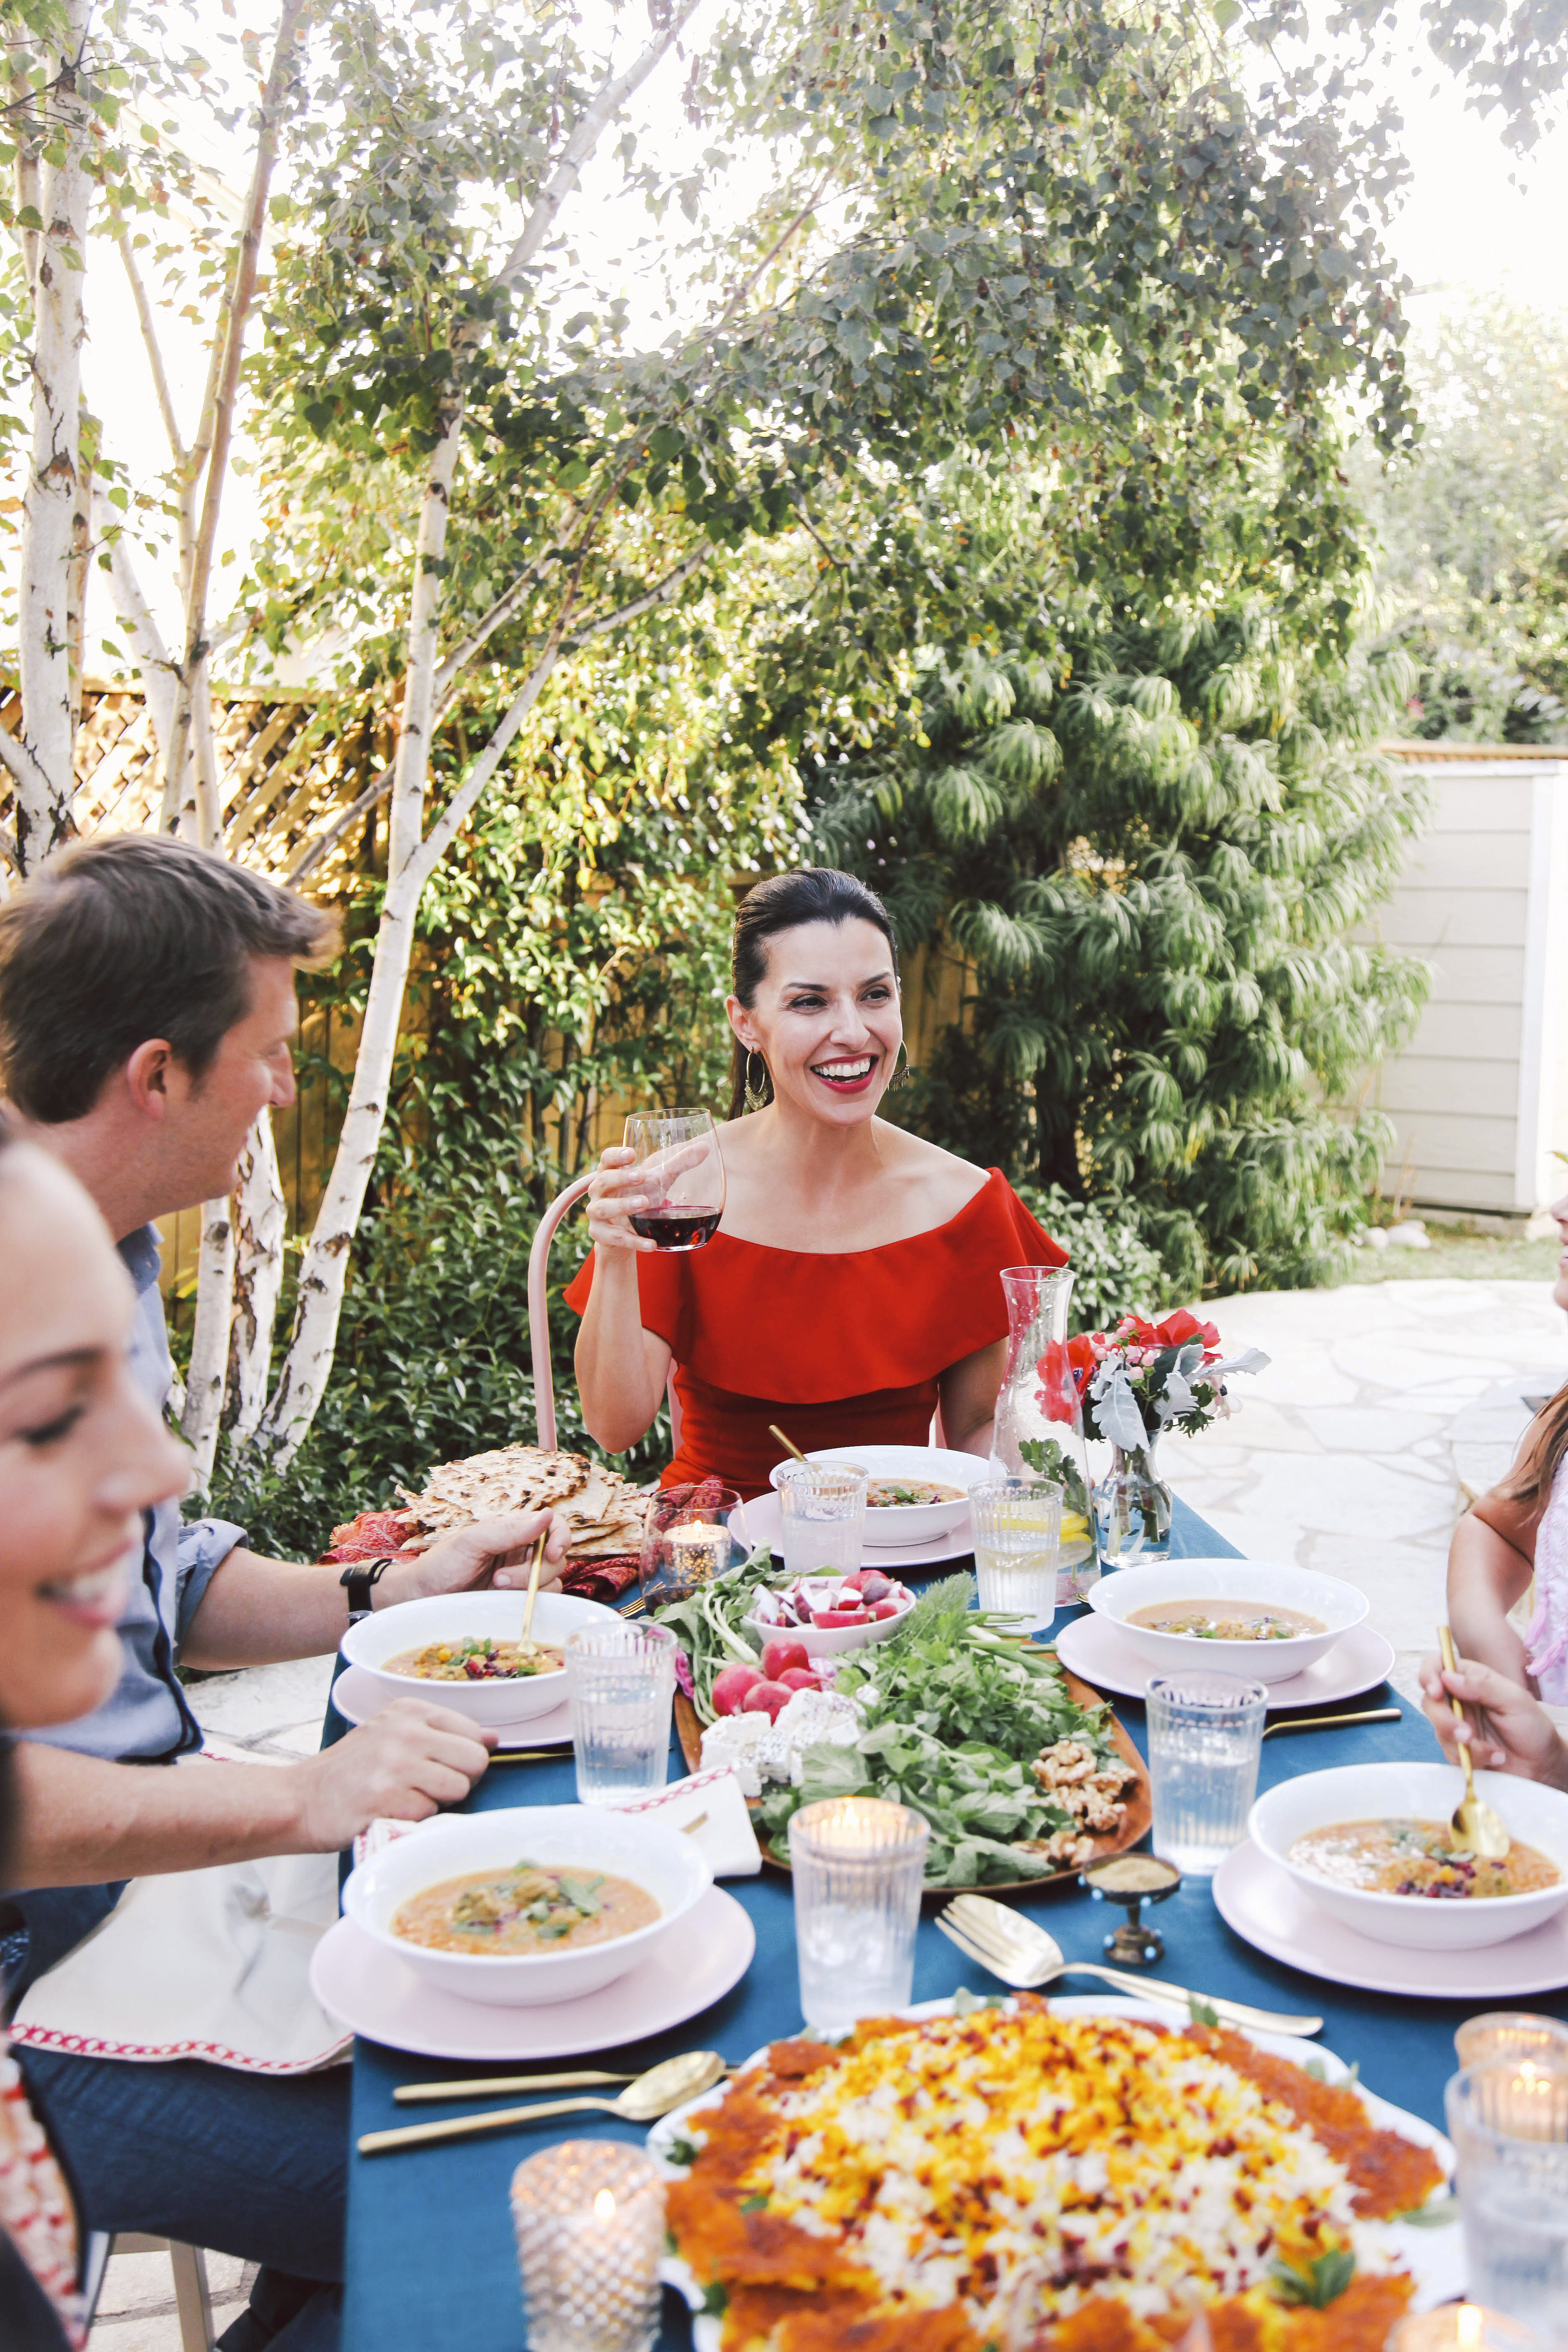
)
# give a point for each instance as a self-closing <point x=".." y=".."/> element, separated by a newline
<point x="371" y="1991"/>
<point x="1098" y="1653"/>
<point x="1268" y="1910"/>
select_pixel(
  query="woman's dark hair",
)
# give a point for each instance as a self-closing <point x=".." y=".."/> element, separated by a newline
<point x="816" y="893"/>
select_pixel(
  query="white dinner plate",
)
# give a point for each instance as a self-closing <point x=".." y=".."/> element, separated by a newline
<point x="1099" y="1653"/>
<point x="369" y="1989"/>
<point x="358" y="1696"/>
<point x="1269" y="1909"/>
<point x="1435" y="2258"/>
<point x="765" y="1521"/>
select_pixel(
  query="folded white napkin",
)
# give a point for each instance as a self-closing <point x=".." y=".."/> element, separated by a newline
<point x="710" y="1802"/>
<point x="210" y="1964"/>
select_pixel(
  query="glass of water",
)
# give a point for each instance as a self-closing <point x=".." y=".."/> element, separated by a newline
<point x="1205" y="1735"/>
<point x="1508" y="2118"/>
<point x="858" y="1863"/>
<point x="1017" y="1524"/>
<point x="620" y="1687"/>
<point x="823" y="1505"/>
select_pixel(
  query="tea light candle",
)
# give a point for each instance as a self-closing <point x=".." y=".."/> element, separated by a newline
<point x="1462" y="2328"/>
<point x="1512" y="2033"/>
<point x="697" y="1552"/>
<point x="589" y="2216"/>
<point x="1529" y="2101"/>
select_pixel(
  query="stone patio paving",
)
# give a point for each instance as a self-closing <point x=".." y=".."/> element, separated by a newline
<point x="1351" y="1452"/>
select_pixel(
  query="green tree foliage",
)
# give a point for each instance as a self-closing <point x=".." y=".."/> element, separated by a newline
<point x="1473" y="530"/>
<point x="1148" y="823"/>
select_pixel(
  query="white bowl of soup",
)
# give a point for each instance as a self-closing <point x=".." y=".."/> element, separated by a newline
<point x="1263" y="1621"/>
<point x="543" y="1903"/>
<point x="914" y="1494"/>
<point x="1370" y="1844"/>
<point x="461" y="1649"/>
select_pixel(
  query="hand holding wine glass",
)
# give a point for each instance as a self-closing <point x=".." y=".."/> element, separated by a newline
<point x="663" y="1189"/>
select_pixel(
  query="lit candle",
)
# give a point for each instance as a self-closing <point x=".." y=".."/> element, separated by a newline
<point x="697" y="1552"/>
<point x="857" y="1864"/>
<point x="1512" y="2033"/>
<point x="1462" y="2328"/>
<point x="589" y="2216"/>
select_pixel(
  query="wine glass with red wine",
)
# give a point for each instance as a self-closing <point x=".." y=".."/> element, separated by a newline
<point x="677" y="1156"/>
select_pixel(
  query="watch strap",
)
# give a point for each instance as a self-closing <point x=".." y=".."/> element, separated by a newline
<point x="357" y="1581"/>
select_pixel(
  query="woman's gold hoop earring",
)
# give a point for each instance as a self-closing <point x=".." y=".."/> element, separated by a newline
<point x="901" y="1076"/>
<point x="758" y="1096"/>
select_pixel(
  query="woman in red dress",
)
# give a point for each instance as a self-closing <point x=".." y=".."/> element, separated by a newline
<point x="853" y="1283"/>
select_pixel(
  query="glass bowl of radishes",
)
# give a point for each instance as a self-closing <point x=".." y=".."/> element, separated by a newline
<point x="828" y="1614"/>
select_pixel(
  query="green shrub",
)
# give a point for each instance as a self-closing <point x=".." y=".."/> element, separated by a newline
<point x="1116" y="1272"/>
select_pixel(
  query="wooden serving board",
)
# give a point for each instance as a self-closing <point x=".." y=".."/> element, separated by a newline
<point x="1135" y="1821"/>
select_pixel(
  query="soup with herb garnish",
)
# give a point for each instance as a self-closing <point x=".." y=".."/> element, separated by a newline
<point x="1226" y="1621"/>
<point x="484" y="1660"/>
<point x="1411" y="1857"/>
<point x="898" y="1494"/>
<point x="522" y="1910"/>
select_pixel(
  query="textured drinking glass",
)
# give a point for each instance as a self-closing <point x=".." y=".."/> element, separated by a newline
<point x="858" y="1862"/>
<point x="1205" y="1735"/>
<point x="1512" y="2033"/>
<point x="589" y="2216"/>
<point x="823" y="1509"/>
<point x="620" y="1685"/>
<point x="1508" y="2118"/>
<point x="687" y="1542"/>
<point x="1462" y="2328"/>
<point x="1016" y="1525"/>
<point x="677" y="1155"/>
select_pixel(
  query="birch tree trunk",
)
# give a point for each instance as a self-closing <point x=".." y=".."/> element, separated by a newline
<point x="209" y="1341"/>
<point x="261" y="1217"/>
<point x="53" y="518"/>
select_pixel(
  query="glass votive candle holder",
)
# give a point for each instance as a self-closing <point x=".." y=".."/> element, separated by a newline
<point x="589" y="2216"/>
<point x="686" y="1544"/>
<point x="858" y="1864"/>
<point x="1508" y="2119"/>
<point x="1462" y="2328"/>
<point x="1512" y="2033"/>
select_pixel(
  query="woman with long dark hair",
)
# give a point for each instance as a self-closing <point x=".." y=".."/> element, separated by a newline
<point x="81" y="1457"/>
<point x="852" y="1285"/>
<point x="1517" y="1532"/>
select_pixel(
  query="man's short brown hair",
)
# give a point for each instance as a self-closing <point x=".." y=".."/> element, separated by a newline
<point x="127" y="938"/>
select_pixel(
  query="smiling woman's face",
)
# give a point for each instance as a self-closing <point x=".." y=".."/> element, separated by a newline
<point x="81" y="1452"/>
<point x="826" y="1018"/>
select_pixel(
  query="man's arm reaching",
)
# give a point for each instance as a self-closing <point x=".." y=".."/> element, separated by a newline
<point x="82" y="1822"/>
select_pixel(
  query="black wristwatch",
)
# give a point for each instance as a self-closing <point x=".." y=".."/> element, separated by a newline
<point x="356" y="1581"/>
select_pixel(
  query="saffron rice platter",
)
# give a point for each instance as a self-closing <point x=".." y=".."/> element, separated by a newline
<point x="1067" y="2176"/>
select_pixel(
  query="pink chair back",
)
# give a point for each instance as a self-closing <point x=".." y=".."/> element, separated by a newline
<point x="539" y="1323"/>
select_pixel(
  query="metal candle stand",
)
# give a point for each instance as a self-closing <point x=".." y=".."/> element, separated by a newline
<point x="1132" y="1880"/>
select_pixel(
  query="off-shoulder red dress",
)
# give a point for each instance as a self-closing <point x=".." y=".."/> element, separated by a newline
<point x="840" y="1348"/>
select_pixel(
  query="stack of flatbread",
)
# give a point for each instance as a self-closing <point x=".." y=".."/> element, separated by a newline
<point x="604" y="1511"/>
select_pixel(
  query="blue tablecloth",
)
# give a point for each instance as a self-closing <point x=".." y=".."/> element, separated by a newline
<point x="430" y="2226"/>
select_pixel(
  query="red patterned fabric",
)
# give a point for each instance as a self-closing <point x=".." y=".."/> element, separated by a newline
<point x="35" y="2204"/>
<point x="839" y="1347"/>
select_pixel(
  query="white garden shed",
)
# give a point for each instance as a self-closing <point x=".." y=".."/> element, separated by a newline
<point x="1479" y="1097"/>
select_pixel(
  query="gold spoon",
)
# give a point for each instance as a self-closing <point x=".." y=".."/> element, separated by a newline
<point x="1333" y="1722"/>
<point x="535" y="1564"/>
<point x="652" y="2093"/>
<point x="484" y="2086"/>
<point x="1476" y="1829"/>
<point x="773" y="1431"/>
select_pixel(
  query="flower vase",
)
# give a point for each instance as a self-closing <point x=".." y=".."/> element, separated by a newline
<point x="1132" y="1509"/>
<point x="1039" y="1427"/>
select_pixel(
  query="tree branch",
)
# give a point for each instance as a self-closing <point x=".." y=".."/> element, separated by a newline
<point x="149" y="326"/>
<point x="611" y="96"/>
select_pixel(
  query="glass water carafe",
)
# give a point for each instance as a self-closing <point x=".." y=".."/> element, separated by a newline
<point x="1038" y="1425"/>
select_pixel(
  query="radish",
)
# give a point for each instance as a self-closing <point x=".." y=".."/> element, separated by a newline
<point x="796" y="1678"/>
<point x="780" y="1654"/>
<point x="874" y="1585"/>
<point x="766" y="1698"/>
<point x="826" y="1619"/>
<point x="730" y="1685"/>
<point x="885" y="1608"/>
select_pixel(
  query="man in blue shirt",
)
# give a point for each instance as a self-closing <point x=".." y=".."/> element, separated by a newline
<point x="146" y="1014"/>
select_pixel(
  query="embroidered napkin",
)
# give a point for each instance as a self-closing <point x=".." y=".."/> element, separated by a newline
<point x="210" y="1964"/>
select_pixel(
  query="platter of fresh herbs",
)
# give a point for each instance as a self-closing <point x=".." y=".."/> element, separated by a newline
<point x="956" y="1712"/>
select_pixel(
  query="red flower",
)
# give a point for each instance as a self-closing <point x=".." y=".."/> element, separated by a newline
<point x="1173" y="1332"/>
<point x="1065" y="1370"/>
